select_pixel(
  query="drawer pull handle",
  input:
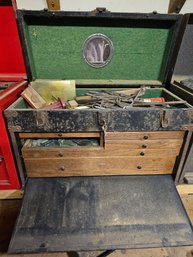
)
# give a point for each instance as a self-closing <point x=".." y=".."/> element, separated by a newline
<point x="60" y="155"/>
<point x="145" y="137"/>
<point x="62" y="168"/>
<point x="139" y="167"/>
<point x="144" y="146"/>
<point x="142" y="153"/>
<point x="60" y="134"/>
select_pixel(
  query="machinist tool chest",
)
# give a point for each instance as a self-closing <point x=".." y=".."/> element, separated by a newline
<point x="108" y="170"/>
<point x="12" y="74"/>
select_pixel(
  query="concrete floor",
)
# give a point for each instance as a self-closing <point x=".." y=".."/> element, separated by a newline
<point x="159" y="252"/>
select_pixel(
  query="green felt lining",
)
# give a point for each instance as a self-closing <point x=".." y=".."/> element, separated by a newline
<point x="56" y="52"/>
<point x="22" y="104"/>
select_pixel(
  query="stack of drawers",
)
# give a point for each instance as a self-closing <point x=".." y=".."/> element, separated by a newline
<point x="119" y="153"/>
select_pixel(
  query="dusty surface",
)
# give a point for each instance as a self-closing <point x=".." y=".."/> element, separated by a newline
<point x="157" y="252"/>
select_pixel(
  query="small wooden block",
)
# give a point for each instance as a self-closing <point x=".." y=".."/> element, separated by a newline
<point x="73" y="104"/>
<point x="33" y="98"/>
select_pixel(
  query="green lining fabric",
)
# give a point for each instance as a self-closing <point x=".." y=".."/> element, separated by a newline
<point x="56" y="52"/>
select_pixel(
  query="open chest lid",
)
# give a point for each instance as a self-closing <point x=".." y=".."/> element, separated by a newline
<point x="100" y="46"/>
<point x="100" y="213"/>
<point x="12" y="66"/>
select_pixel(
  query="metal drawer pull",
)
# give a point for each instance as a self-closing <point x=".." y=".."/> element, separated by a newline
<point x="139" y="167"/>
<point x="142" y="153"/>
<point x="144" y="146"/>
<point x="145" y="137"/>
<point x="60" y="155"/>
<point x="62" y="168"/>
<point x="1" y="158"/>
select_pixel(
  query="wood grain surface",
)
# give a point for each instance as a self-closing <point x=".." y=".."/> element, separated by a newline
<point x="87" y="166"/>
<point x="41" y="152"/>
<point x="144" y="135"/>
<point x="125" y="153"/>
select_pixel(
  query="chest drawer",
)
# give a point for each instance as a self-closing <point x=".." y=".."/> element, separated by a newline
<point x="122" y="153"/>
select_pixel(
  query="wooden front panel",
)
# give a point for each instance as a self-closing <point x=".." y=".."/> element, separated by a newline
<point x="98" y="166"/>
<point x="60" y="135"/>
<point x="110" y="135"/>
<point x="172" y="144"/>
<point x="145" y="135"/>
<point x="125" y="153"/>
<point x="41" y="152"/>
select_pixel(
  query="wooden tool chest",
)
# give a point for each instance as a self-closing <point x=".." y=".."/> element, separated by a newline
<point x="102" y="159"/>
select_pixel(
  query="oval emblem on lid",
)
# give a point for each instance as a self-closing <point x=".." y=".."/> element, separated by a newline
<point x="98" y="50"/>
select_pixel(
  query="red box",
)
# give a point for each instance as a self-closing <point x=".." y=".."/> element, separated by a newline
<point x="12" y="72"/>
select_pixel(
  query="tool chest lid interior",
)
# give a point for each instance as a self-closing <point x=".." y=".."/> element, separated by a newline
<point x="132" y="47"/>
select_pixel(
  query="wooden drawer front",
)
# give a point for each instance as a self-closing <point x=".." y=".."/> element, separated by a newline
<point x="145" y="135"/>
<point x="61" y="135"/>
<point x="158" y="143"/>
<point x="100" y="152"/>
<point x="173" y="144"/>
<point x="125" y="153"/>
<point x="86" y="166"/>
